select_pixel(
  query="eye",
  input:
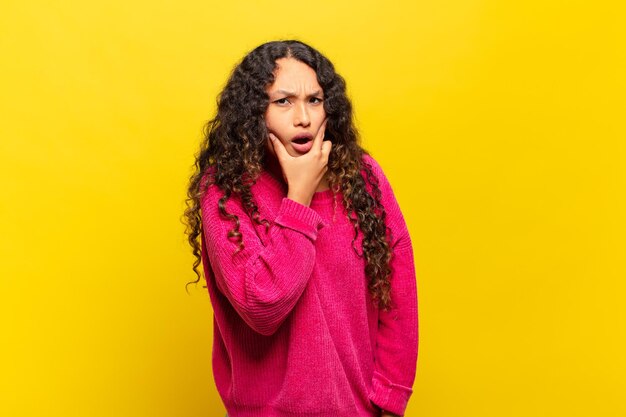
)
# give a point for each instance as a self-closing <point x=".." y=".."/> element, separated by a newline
<point x="319" y="100"/>
<point x="282" y="101"/>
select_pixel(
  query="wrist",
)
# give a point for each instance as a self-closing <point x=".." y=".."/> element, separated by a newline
<point x="299" y="199"/>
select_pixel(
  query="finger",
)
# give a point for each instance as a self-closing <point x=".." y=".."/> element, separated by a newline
<point x="279" y="148"/>
<point x="326" y="146"/>
<point x="319" y="138"/>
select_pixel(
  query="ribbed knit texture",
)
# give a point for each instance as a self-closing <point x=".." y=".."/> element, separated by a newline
<point x="295" y="330"/>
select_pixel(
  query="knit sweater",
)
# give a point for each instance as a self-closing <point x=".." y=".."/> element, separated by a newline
<point x="296" y="332"/>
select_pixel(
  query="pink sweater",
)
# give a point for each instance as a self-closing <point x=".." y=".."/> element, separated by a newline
<point x="295" y="330"/>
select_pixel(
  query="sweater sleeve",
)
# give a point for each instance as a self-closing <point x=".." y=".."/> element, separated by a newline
<point x="263" y="281"/>
<point x="397" y="338"/>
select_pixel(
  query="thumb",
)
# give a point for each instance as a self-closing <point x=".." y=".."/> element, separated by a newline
<point x="279" y="148"/>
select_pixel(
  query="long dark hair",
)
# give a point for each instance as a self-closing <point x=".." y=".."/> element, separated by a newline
<point x="233" y="151"/>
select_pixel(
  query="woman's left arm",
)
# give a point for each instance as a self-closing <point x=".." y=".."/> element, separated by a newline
<point x="397" y="337"/>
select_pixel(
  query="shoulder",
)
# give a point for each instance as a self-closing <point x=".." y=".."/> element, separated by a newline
<point x="387" y="193"/>
<point x="213" y="196"/>
<point x="210" y="191"/>
<point x="375" y="169"/>
<point x="210" y="197"/>
<point x="370" y="161"/>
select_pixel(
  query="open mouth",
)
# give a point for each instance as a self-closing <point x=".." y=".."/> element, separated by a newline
<point x="301" y="141"/>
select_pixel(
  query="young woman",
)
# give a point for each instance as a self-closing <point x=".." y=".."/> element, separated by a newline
<point x="306" y="255"/>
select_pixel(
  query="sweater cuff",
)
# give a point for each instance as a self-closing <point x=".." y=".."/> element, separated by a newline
<point x="299" y="217"/>
<point x="389" y="396"/>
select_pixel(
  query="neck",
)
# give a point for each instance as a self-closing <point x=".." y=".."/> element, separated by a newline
<point x="273" y="167"/>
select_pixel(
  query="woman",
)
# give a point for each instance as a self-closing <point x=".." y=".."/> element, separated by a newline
<point x="306" y="254"/>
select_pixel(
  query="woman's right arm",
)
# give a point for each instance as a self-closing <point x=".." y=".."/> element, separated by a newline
<point x="263" y="281"/>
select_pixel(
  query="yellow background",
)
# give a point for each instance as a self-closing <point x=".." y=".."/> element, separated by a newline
<point x="500" y="124"/>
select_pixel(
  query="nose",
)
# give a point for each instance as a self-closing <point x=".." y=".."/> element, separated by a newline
<point x="301" y="115"/>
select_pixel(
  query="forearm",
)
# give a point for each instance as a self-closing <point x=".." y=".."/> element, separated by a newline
<point x="265" y="279"/>
<point x="397" y="337"/>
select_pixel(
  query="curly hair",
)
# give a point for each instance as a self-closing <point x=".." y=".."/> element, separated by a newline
<point x="233" y="153"/>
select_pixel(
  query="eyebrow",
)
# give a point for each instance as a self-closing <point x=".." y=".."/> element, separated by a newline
<point x="292" y="94"/>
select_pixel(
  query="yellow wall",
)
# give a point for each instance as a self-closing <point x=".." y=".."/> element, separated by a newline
<point x="500" y="125"/>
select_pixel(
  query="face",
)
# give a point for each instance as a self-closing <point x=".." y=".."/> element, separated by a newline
<point x="296" y="106"/>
